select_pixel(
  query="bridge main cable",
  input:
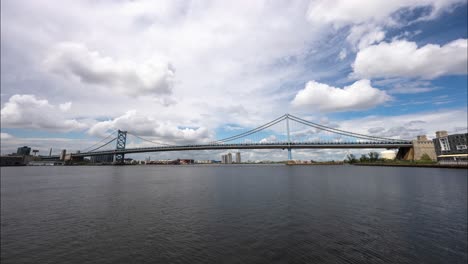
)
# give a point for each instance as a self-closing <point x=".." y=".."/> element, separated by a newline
<point x="252" y="131"/>
<point x="102" y="140"/>
<point x="341" y="132"/>
<point x="147" y="140"/>
<point x="112" y="140"/>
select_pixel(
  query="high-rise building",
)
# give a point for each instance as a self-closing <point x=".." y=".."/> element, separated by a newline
<point x="238" y="157"/>
<point x="24" y="151"/>
<point x="226" y="159"/>
<point x="63" y="153"/>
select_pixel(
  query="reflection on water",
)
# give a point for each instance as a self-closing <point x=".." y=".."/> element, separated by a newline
<point x="233" y="214"/>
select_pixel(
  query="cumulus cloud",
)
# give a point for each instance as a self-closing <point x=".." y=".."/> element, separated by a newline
<point x="27" y="111"/>
<point x="320" y="96"/>
<point x="144" y="125"/>
<point x="226" y="53"/>
<point x="404" y="59"/>
<point x="344" y="12"/>
<point x="71" y="59"/>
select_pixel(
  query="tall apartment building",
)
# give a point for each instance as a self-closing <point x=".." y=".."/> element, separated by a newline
<point x="238" y="157"/>
<point x="226" y="159"/>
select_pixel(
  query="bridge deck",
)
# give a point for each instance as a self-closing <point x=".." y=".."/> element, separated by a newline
<point x="364" y="145"/>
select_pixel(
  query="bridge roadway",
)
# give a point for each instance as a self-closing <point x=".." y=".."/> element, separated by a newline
<point x="280" y="145"/>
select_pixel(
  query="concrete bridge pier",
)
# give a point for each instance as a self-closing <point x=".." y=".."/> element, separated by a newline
<point x="420" y="147"/>
<point x="405" y="153"/>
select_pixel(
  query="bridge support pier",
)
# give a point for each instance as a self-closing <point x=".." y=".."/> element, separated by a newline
<point x="405" y="153"/>
<point x="121" y="142"/>
<point x="289" y="137"/>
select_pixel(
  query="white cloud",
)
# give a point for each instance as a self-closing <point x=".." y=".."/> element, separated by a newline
<point x="404" y="59"/>
<point x="344" y="12"/>
<point x="149" y="126"/>
<point x="27" y="111"/>
<point x="342" y="54"/>
<point x="362" y="36"/>
<point x="271" y="138"/>
<point x="4" y="136"/>
<point x="223" y="52"/>
<point x="234" y="63"/>
<point x="232" y="128"/>
<point x="76" y="60"/>
<point x="411" y="87"/>
<point x="410" y="125"/>
<point x="320" y="96"/>
<point x="65" y="106"/>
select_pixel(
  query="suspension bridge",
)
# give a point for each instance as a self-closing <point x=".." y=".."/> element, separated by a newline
<point x="286" y="132"/>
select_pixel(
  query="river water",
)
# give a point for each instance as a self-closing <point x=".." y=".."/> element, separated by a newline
<point x="233" y="214"/>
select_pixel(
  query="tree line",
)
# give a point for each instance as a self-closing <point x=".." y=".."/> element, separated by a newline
<point x="372" y="156"/>
<point x="375" y="156"/>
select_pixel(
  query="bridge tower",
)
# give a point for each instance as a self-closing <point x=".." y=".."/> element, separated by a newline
<point x="289" y="138"/>
<point x="121" y="141"/>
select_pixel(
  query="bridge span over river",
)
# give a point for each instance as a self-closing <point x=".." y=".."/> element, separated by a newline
<point x="330" y="138"/>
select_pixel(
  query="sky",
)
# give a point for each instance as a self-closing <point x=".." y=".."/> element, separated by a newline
<point x="186" y="72"/>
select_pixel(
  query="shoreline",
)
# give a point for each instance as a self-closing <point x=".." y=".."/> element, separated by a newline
<point x="446" y="166"/>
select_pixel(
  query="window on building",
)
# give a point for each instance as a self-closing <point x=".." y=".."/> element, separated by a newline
<point x="444" y="144"/>
<point x="461" y="147"/>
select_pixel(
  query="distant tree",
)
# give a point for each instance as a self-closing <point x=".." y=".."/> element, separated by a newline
<point x="364" y="158"/>
<point x="425" y="157"/>
<point x="374" y="156"/>
<point x="350" y="158"/>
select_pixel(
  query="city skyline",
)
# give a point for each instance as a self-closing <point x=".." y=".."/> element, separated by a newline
<point x="180" y="73"/>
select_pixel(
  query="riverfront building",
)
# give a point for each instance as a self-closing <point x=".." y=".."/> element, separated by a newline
<point x="451" y="148"/>
<point x="226" y="159"/>
<point x="16" y="160"/>
<point x="238" y="157"/>
<point x="24" y="151"/>
<point x="102" y="159"/>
